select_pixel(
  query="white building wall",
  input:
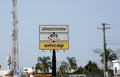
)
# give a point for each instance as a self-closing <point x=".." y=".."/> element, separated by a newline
<point x="116" y="68"/>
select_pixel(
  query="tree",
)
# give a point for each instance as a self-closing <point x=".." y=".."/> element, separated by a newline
<point x="110" y="55"/>
<point x="37" y="67"/>
<point x="43" y="64"/>
<point x="72" y="64"/>
<point x="92" y="70"/>
<point x="92" y="67"/>
<point x="63" y="68"/>
<point x="80" y="70"/>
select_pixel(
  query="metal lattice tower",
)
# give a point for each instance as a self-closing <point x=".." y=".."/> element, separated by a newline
<point x="15" y="57"/>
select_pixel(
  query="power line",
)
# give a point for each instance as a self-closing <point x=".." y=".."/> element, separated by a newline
<point x="118" y="41"/>
<point x="113" y="43"/>
<point x="115" y="38"/>
<point x="114" y="25"/>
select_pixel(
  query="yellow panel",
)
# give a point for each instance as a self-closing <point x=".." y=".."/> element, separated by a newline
<point x="54" y="45"/>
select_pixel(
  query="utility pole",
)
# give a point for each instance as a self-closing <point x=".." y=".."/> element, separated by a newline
<point x="15" y="59"/>
<point x="104" y="49"/>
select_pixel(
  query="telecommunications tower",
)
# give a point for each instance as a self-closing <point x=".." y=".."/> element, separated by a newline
<point x="15" y="57"/>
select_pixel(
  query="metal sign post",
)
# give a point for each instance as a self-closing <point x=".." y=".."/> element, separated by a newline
<point x="54" y="63"/>
<point x="54" y="57"/>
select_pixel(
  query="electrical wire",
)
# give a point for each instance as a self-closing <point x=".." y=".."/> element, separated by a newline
<point x="115" y="38"/>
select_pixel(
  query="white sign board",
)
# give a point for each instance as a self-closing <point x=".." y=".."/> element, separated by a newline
<point x="77" y="75"/>
<point x="54" y="37"/>
<point x="52" y="28"/>
<point x="48" y="37"/>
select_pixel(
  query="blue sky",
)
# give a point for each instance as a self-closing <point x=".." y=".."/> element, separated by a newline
<point x="82" y="16"/>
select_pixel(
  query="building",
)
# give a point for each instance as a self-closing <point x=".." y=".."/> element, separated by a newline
<point x="116" y="68"/>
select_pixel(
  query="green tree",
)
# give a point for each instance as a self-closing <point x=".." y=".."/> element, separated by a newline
<point x="72" y="64"/>
<point x="91" y="67"/>
<point x="43" y="64"/>
<point x="110" y="55"/>
<point x="80" y="70"/>
<point x="63" y="68"/>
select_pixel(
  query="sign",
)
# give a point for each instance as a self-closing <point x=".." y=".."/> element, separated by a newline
<point x="53" y="37"/>
<point x="54" y="45"/>
<point x="77" y="75"/>
<point x="49" y="37"/>
<point x="37" y="75"/>
<point x="53" y="28"/>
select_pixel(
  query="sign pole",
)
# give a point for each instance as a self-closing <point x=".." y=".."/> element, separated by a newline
<point x="54" y="59"/>
<point x="54" y="63"/>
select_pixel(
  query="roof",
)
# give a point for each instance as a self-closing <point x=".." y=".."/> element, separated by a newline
<point x="114" y="61"/>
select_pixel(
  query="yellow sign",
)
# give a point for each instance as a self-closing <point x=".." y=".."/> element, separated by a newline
<point x="37" y="75"/>
<point x="54" y="45"/>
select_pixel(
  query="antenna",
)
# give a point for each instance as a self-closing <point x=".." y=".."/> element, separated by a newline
<point x="15" y="59"/>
